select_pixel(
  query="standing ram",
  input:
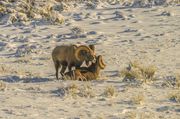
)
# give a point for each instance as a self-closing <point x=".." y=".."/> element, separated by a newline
<point x="87" y="73"/>
<point x="71" y="55"/>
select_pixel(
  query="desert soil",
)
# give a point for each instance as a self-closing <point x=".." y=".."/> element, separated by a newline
<point x="150" y="35"/>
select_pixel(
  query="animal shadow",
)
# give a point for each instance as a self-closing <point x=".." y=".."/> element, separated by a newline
<point x="15" y="79"/>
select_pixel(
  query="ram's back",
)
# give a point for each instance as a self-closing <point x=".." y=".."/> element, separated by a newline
<point x="64" y="52"/>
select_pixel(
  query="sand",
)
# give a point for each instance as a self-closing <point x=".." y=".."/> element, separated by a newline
<point x="149" y="34"/>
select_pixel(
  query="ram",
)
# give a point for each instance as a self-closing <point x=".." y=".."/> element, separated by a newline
<point x="72" y="55"/>
<point x="87" y="73"/>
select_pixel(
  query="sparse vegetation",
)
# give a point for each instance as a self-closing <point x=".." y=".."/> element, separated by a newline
<point x="139" y="115"/>
<point x="2" y="86"/>
<point x="27" y="10"/>
<point x="5" y="69"/>
<point x="110" y="91"/>
<point x="28" y="88"/>
<point x="138" y="99"/>
<point x="178" y="80"/>
<point x="101" y="116"/>
<point x="87" y="91"/>
<point x="172" y="81"/>
<point x="133" y="74"/>
<point x="73" y="90"/>
<point x="136" y="70"/>
<point x="175" y="96"/>
<point x="148" y="71"/>
<point x="2" y="68"/>
<point x="130" y="115"/>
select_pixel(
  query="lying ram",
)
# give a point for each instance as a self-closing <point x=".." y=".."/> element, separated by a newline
<point x="87" y="73"/>
<point x="71" y="55"/>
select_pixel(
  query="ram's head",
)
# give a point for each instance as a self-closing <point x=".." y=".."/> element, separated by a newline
<point x="85" y="53"/>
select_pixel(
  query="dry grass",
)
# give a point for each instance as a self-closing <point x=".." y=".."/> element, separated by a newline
<point x="135" y="64"/>
<point x="130" y="115"/>
<point x="75" y="91"/>
<point x="132" y="74"/>
<point x="178" y="80"/>
<point x="139" y="115"/>
<point x="148" y="71"/>
<point x="138" y="99"/>
<point x="174" y="2"/>
<point x="173" y="82"/>
<point x="72" y="90"/>
<point x="100" y="116"/>
<point x="87" y="91"/>
<point x="110" y="91"/>
<point x="175" y="96"/>
<point x="137" y="70"/>
<point x="23" y="60"/>
<point x="30" y="10"/>
<point x="50" y="10"/>
<point x="3" y="68"/>
<point x="2" y="86"/>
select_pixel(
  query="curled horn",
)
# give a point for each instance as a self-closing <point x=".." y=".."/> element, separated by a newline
<point x="92" y="47"/>
<point x="101" y="63"/>
<point x="80" y="48"/>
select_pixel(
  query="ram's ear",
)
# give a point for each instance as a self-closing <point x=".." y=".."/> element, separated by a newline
<point x="92" y="47"/>
<point x="75" y="46"/>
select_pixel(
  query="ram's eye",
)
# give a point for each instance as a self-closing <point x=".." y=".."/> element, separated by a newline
<point x="83" y="52"/>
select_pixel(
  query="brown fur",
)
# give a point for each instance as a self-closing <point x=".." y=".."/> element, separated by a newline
<point x="64" y="56"/>
<point x="87" y="73"/>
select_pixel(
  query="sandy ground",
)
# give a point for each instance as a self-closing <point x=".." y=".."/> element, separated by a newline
<point x="121" y="35"/>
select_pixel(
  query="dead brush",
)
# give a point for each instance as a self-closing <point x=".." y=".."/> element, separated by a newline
<point x="2" y="86"/>
<point x="2" y="9"/>
<point x="110" y="91"/>
<point x="177" y="80"/>
<point x="75" y="91"/>
<point x="72" y="90"/>
<point x="132" y="74"/>
<point x="172" y="81"/>
<point x="175" y="96"/>
<point x="2" y="68"/>
<point x="148" y="72"/>
<point x="87" y="91"/>
<point x="136" y="70"/>
<point x="28" y="10"/>
<point x="130" y="115"/>
<point x="100" y="116"/>
<point x="138" y="99"/>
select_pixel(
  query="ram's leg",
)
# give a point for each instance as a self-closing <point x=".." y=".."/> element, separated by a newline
<point x="70" y="67"/>
<point x="85" y="79"/>
<point x="64" y="66"/>
<point x="63" y="70"/>
<point x="81" y="78"/>
<point x="57" y="65"/>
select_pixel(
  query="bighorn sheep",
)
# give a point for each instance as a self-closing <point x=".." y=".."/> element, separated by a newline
<point x="87" y="73"/>
<point x="71" y="55"/>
